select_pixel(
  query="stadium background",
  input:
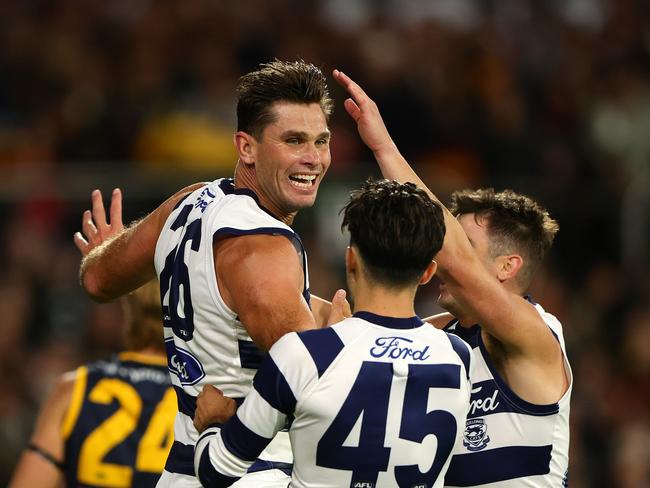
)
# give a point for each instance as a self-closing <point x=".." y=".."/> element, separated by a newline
<point x="549" y="98"/>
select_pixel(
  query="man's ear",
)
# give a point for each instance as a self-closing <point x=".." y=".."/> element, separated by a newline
<point x="350" y="260"/>
<point x="428" y="273"/>
<point x="246" y="146"/>
<point x="508" y="267"/>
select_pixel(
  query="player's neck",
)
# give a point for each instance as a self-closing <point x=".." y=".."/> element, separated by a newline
<point x="384" y="301"/>
<point x="465" y="320"/>
<point x="245" y="178"/>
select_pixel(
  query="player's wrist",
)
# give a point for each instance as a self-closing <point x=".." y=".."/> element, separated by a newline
<point x="385" y="150"/>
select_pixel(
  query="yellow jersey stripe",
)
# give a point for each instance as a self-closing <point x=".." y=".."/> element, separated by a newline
<point x="76" y="401"/>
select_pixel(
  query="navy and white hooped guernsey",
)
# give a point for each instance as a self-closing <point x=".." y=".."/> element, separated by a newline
<point x="205" y="341"/>
<point x="508" y="442"/>
<point x="374" y="401"/>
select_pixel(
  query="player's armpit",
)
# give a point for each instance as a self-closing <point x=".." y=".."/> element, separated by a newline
<point x="260" y="278"/>
<point x="38" y="465"/>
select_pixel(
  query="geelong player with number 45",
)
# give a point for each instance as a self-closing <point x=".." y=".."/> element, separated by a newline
<point x="377" y="400"/>
<point x="233" y="274"/>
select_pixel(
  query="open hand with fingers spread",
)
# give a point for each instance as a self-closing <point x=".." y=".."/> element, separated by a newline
<point x="212" y="407"/>
<point x="94" y="227"/>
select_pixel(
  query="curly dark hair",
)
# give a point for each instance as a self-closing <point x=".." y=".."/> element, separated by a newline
<point x="397" y="228"/>
<point x="290" y="81"/>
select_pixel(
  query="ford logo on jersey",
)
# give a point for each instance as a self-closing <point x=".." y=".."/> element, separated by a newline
<point x="393" y="348"/>
<point x="183" y="364"/>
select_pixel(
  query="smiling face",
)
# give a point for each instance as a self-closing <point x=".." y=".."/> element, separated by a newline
<point x="290" y="158"/>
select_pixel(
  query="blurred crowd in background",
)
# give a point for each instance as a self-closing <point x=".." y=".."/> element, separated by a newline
<point x="550" y="98"/>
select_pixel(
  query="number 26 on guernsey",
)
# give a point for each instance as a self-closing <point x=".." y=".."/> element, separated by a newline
<point x="175" y="278"/>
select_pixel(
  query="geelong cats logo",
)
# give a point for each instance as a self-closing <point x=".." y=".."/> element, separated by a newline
<point x="475" y="436"/>
<point x="183" y="364"/>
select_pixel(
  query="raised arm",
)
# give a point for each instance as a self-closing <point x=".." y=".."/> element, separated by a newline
<point x="118" y="259"/>
<point x="505" y="315"/>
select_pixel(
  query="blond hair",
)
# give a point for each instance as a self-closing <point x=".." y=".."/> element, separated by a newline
<point x="144" y="328"/>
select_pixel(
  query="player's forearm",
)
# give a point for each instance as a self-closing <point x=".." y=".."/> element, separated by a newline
<point x="43" y="461"/>
<point x="226" y="468"/>
<point x="393" y="166"/>
<point x="458" y="264"/>
<point x="116" y="267"/>
<point x="223" y="455"/>
<point x="33" y="470"/>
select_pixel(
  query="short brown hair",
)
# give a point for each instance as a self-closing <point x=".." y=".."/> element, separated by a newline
<point x="516" y="223"/>
<point x="290" y="81"/>
<point x="144" y="327"/>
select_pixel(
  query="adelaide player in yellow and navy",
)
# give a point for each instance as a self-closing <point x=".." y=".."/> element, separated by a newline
<point x="109" y="423"/>
<point x="119" y="426"/>
<point x="377" y="400"/>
